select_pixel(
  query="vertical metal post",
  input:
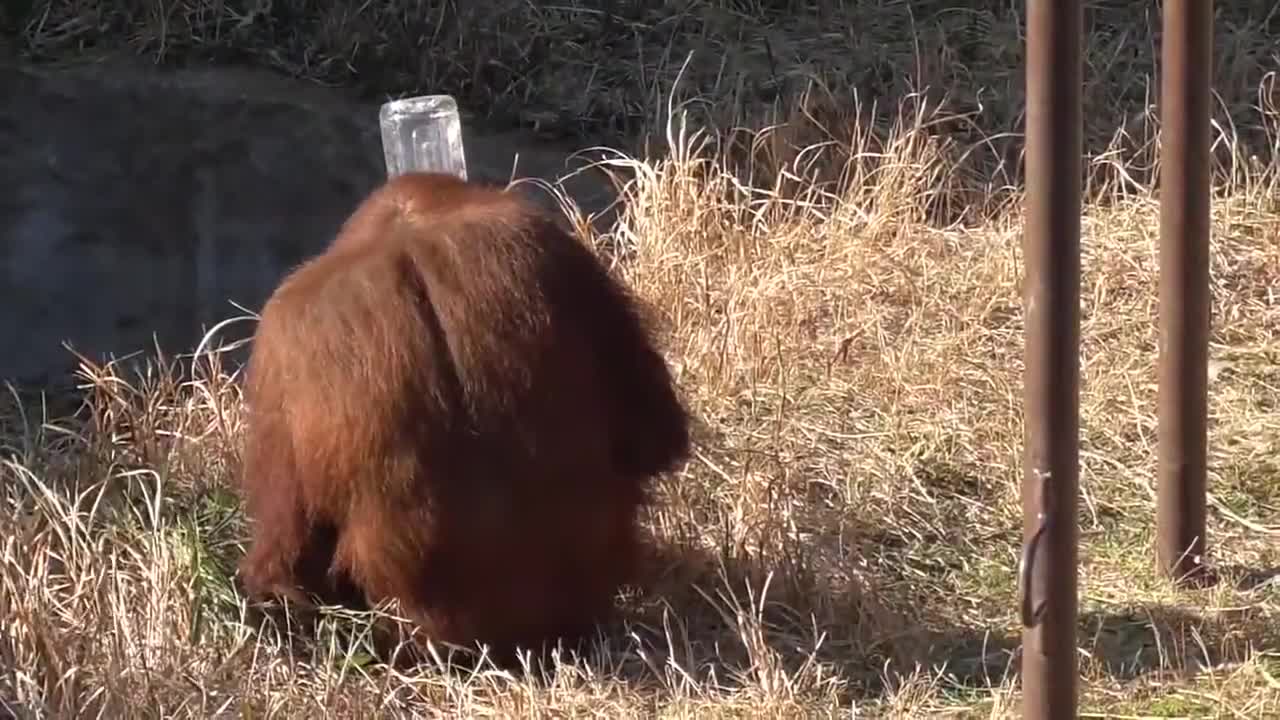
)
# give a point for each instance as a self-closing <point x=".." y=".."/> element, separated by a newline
<point x="1186" y="60"/>
<point x="1051" y="241"/>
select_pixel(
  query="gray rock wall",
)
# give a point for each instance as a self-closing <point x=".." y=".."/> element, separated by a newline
<point x="139" y="201"/>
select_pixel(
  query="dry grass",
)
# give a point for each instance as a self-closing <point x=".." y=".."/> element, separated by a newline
<point x="847" y="533"/>
<point x="594" y="69"/>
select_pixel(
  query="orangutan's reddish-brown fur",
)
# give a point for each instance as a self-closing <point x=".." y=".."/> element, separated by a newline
<point x="457" y="407"/>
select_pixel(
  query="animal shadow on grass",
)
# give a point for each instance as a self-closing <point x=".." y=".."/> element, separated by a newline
<point x="734" y="621"/>
<point x="700" y="618"/>
<point x="720" y="616"/>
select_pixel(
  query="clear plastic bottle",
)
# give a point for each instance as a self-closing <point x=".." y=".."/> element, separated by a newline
<point x="422" y="134"/>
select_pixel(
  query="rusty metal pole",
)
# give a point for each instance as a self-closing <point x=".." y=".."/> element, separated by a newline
<point x="1186" y="60"/>
<point x="1051" y="241"/>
